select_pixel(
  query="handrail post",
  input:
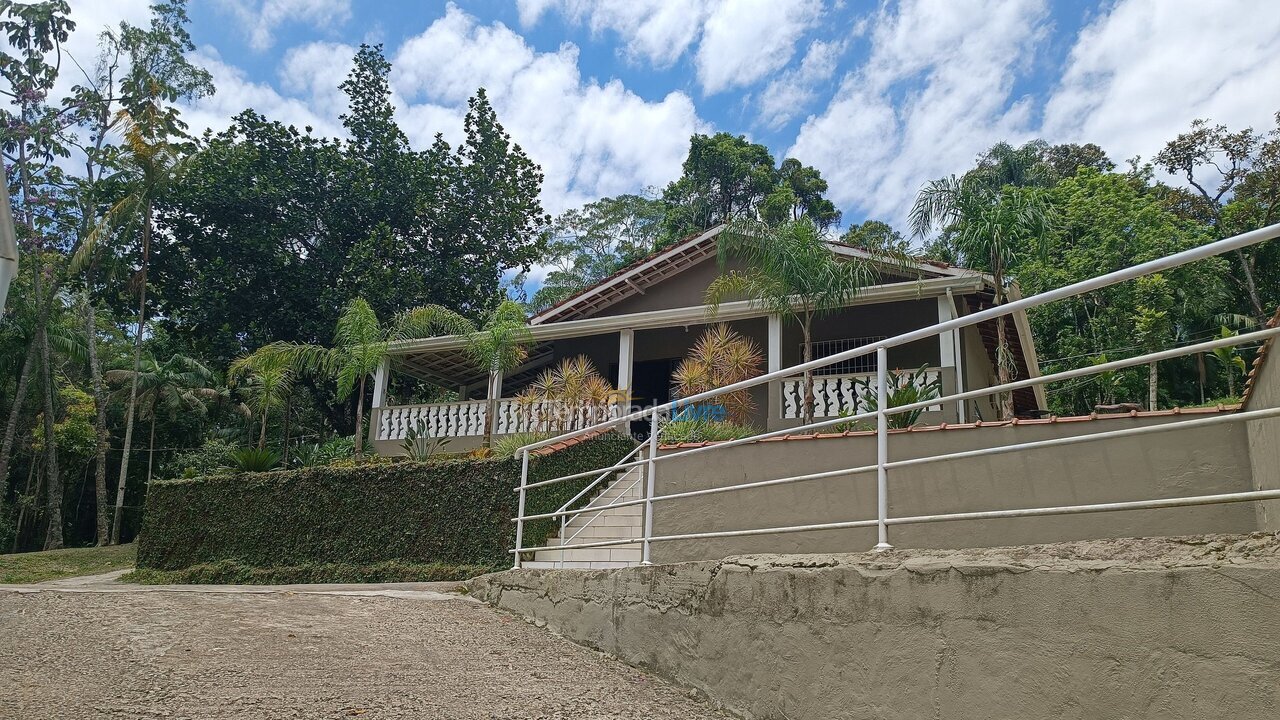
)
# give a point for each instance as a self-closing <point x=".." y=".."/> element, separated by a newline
<point x="563" y="539"/>
<point x="524" y="480"/>
<point x="650" y="470"/>
<point x="882" y="448"/>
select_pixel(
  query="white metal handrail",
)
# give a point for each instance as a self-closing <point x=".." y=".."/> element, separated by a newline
<point x="883" y="464"/>
<point x="564" y="520"/>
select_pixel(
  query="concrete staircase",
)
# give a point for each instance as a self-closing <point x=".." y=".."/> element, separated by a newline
<point x="625" y="523"/>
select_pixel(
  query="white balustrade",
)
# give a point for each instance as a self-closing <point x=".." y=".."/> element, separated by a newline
<point x="467" y="419"/>
<point x="836" y="395"/>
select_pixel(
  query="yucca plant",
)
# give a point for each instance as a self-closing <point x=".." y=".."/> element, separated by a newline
<point x="720" y="357"/>
<point x="254" y="459"/>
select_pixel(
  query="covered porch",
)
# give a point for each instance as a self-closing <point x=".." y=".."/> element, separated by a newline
<point x="638" y="352"/>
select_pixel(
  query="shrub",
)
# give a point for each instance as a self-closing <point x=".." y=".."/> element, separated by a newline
<point x="214" y="456"/>
<point x="254" y="459"/>
<point x="507" y="445"/>
<point x="694" y="431"/>
<point x="449" y="512"/>
<point x="331" y="450"/>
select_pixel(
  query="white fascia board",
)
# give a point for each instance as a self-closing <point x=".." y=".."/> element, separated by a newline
<point x="699" y="314"/>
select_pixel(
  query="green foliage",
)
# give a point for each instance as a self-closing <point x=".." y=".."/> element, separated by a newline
<point x="507" y="445"/>
<point x="697" y="431"/>
<point x="450" y="512"/>
<point x="905" y="388"/>
<point x="325" y="453"/>
<point x="230" y="572"/>
<point x="254" y="460"/>
<point x="418" y="446"/>
<point x="720" y="357"/>
<point x="212" y="456"/>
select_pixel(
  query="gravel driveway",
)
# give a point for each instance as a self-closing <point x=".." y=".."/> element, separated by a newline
<point x="90" y="650"/>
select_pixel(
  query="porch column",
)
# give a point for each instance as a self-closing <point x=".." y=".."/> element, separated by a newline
<point x="380" y="377"/>
<point x="626" y="356"/>
<point x="949" y="348"/>
<point x="774" y="354"/>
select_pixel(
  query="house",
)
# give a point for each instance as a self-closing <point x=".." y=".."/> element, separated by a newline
<point x="638" y="323"/>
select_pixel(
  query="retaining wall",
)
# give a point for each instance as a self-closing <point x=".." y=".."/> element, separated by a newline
<point x="1114" y="629"/>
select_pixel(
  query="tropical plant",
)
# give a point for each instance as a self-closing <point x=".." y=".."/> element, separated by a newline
<point x="720" y="357"/>
<point x="794" y="274"/>
<point x="499" y="346"/>
<point x="178" y="384"/>
<point x="269" y="380"/>
<point x="325" y="453"/>
<point x="419" y="446"/>
<point x="904" y="388"/>
<point x="507" y="445"/>
<point x="1153" y="326"/>
<point x="1230" y="360"/>
<point x="990" y="227"/>
<point x="359" y="348"/>
<point x="573" y="388"/>
<point x="254" y="459"/>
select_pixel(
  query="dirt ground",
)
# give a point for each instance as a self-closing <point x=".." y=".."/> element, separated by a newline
<point x="88" y="649"/>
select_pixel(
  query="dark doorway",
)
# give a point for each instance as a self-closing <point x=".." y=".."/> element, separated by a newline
<point x="650" y="385"/>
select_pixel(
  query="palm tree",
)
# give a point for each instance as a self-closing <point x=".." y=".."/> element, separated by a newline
<point x="179" y="384"/>
<point x="500" y="345"/>
<point x="794" y="274"/>
<point x="720" y="357"/>
<point x="360" y="346"/>
<point x="989" y="228"/>
<point x="269" y="379"/>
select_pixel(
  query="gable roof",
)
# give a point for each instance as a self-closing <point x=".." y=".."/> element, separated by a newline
<point x="662" y="264"/>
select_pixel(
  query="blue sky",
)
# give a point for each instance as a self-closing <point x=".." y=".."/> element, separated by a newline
<point x="879" y="96"/>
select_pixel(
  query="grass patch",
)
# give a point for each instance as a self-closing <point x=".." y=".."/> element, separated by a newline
<point x="34" y="567"/>
<point x="229" y="572"/>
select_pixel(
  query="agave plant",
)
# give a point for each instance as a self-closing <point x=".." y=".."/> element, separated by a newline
<point x="720" y="357"/>
<point x="904" y="388"/>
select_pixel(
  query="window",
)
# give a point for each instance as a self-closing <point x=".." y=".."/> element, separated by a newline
<point x="826" y="348"/>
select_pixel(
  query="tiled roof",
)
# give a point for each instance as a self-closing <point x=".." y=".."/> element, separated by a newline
<point x="1258" y="360"/>
<point x="1053" y="420"/>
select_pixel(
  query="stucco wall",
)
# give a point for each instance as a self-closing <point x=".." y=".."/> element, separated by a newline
<point x="1264" y="439"/>
<point x="1053" y="632"/>
<point x="1176" y="463"/>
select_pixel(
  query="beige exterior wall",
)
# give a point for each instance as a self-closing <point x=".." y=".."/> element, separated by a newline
<point x="1197" y="461"/>
<point x="1264" y="440"/>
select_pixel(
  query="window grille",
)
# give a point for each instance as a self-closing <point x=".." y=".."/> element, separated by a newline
<point x="826" y="348"/>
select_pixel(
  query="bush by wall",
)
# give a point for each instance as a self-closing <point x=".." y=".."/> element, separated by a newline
<point x="453" y="512"/>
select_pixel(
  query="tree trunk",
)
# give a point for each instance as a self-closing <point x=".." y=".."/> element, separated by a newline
<point x="1231" y="382"/>
<point x="22" y="511"/>
<point x="53" y="536"/>
<point x="360" y="421"/>
<point x="11" y="427"/>
<point x="1251" y="285"/>
<point x="132" y="408"/>
<point x="490" y="408"/>
<point x="99" y="426"/>
<point x="1003" y="354"/>
<point x="1200" y="368"/>
<point x="262" y="431"/>
<point x="151" y="446"/>
<point x="807" y="411"/>
<point x="1153" y="385"/>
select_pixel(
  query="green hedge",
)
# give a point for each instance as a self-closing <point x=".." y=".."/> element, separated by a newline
<point x="230" y="572"/>
<point x="454" y="513"/>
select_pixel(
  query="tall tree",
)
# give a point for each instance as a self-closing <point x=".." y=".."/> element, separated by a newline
<point x="799" y="192"/>
<point x="500" y="345"/>
<point x="179" y="384"/>
<point x="725" y="177"/>
<point x="990" y="228"/>
<point x="792" y="272"/>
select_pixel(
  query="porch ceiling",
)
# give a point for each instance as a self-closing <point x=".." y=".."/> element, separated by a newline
<point x="454" y="366"/>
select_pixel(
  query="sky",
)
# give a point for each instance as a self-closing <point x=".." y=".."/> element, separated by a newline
<point x="881" y="97"/>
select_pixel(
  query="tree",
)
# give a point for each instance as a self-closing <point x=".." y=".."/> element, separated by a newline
<point x="269" y="378"/>
<point x="1229" y="358"/>
<point x="724" y="178"/>
<point x="720" y="357"/>
<point x="1215" y="162"/>
<point x="500" y="346"/>
<point x="876" y="235"/>
<point x="1153" y="326"/>
<point x="589" y="243"/>
<point x="990" y="229"/>
<point x="360" y="346"/>
<point x="177" y="384"/>
<point x="792" y="273"/>
<point x="800" y="192"/>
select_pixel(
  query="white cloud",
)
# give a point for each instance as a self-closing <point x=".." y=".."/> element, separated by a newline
<point x="315" y="71"/>
<point x="657" y="31"/>
<point x="260" y="19"/>
<point x="744" y="40"/>
<point x="935" y="91"/>
<point x="592" y="139"/>
<point x="789" y="94"/>
<point x="1139" y="74"/>
<point x="236" y="93"/>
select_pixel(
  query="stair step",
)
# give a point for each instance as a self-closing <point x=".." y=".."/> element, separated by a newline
<point x="600" y="533"/>
<point x="603" y="554"/>
<point x="606" y="520"/>
<point x="584" y="538"/>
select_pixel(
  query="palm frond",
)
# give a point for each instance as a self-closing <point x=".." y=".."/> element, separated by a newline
<point x="429" y="321"/>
